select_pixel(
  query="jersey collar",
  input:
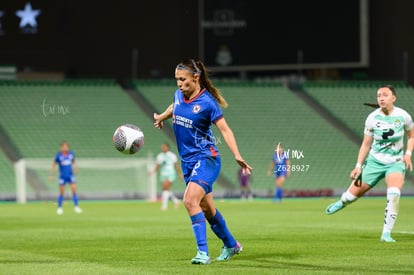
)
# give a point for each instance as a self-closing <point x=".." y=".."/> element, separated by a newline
<point x="194" y="98"/>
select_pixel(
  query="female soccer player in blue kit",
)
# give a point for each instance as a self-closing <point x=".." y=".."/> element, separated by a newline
<point x="65" y="158"/>
<point x="280" y="166"/>
<point x="195" y="107"/>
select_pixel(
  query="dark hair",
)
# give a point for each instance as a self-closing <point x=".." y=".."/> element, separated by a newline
<point x="64" y="142"/>
<point x="198" y="67"/>
<point x="376" y="105"/>
<point x="391" y="88"/>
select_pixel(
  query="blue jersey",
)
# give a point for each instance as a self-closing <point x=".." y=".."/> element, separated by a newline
<point x="65" y="162"/>
<point x="192" y="120"/>
<point x="280" y="161"/>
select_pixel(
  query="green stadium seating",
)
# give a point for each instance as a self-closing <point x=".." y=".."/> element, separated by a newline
<point x="7" y="185"/>
<point x="345" y="99"/>
<point x="39" y="115"/>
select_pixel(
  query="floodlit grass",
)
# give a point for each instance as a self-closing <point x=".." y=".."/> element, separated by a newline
<point x="293" y="237"/>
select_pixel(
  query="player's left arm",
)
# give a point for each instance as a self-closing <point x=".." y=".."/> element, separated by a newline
<point x="75" y="166"/>
<point x="230" y="140"/>
<point x="410" y="147"/>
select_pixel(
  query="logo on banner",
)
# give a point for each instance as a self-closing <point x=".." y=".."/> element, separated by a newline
<point x="224" y="23"/>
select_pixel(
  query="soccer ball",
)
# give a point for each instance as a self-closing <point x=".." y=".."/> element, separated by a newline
<point x="128" y="139"/>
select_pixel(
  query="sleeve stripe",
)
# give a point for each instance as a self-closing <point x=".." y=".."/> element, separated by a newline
<point x="220" y="117"/>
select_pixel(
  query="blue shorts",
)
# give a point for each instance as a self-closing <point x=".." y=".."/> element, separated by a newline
<point x="66" y="179"/>
<point x="280" y="174"/>
<point x="203" y="172"/>
<point x="281" y="170"/>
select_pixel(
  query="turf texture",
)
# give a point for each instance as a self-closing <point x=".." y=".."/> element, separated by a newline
<point x="133" y="237"/>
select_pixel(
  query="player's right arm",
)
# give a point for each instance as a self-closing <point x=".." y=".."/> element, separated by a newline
<point x="52" y="170"/>
<point x="363" y="152"/>
<point x="155" y="169"/>
<point x="159" y="118"/>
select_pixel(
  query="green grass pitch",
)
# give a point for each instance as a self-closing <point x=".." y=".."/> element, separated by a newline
<point x="293" y="237"/>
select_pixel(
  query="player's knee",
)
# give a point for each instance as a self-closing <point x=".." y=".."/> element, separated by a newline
<point x="190" y="203"/>
<point x="207" y="210"/>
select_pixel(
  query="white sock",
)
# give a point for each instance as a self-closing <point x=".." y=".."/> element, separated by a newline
<point x="391" y="210"/>
<point x="173" y="197"/>
<point x="165" y="196"/>
<point x="348" y="198"/>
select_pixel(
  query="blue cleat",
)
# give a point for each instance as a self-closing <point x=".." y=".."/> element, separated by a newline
<point x="386" y="237"/>
<point x="227" y="253"/>
<point x="334" y="207"/>
<point x="201" y="258"/>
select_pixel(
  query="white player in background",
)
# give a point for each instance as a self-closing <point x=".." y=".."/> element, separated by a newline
<point x="167" y="164"/>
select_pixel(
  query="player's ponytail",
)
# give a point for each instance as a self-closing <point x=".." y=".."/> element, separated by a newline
<point x="373" y="105"/>
<point x="198" y="67"/>
<point x="205" y="82"/>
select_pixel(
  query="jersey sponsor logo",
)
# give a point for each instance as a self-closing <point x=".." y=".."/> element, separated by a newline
<point x="196" y="109"/>
<point x="182" y="121"/>
<point x="387" y="133"/>
<point x="65" y="161"/>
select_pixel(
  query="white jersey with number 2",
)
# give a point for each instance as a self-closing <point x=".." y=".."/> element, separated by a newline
<point x="388" y="133"/>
